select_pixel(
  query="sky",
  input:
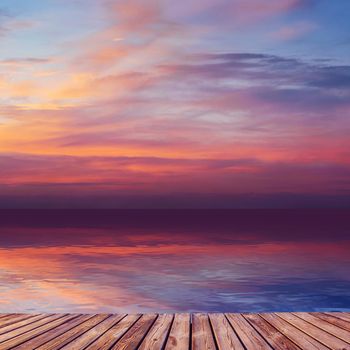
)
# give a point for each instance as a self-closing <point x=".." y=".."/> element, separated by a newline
<point x="159" y="103"/>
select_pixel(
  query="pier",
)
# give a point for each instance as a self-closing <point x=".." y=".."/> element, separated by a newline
<point x="217" y="331"/>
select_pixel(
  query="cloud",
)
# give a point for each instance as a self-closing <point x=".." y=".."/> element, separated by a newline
<point x="166" y="107"/>
<point x="136" y="15"/>
<point x="224" y="105"/>
<point x="295" y="31"/>
<point x="231" y="13"/>
<point x="3" y="18"/>
<point x="9" y="23"/>
<point x="332" y="77"/>
<point x="256" y="10"/>
<point x="25" y="61"/>
<point x="150" y="176"/>
<point x="261" y="70"/>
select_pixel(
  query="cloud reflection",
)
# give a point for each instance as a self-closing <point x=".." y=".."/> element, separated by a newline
<point x="133" y="270"/>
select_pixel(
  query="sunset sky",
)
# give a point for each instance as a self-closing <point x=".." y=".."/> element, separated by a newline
<point x="146" y="103"/>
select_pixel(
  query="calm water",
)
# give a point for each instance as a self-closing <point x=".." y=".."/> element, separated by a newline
<point x="124" y="261"/>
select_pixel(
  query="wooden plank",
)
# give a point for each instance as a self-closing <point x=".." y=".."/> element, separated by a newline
<point x="157" y="335"/>
<point x="326" y="326"/>
<point x="179" y="336"/>
<point x="28" y="327"/>
<point x="24" y="322"/>
<point x="279" y="331"/>
<point x="9" y="315"/>
<point x="250" y="338"/>
<point x="333" y="320"/>
<point x="202" y="336"/>
<point x="6" y="317"/>
<point x="315" y="332"/>
<point x="132" y="338"/>
<point x="108" y="339"/>
<point x="303" y="340"/>
<point x="274" y="337"/>
<point x="75" y="332"/>
<point x="11" y="319"/>
<point x="47" y="336"/>
<point x="343" y="315"/>
<point x="11" y="343"/>
<point x="90" y="336"/>
<point x="225" y="336"/>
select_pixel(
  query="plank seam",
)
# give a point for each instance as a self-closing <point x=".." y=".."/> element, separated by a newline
<point x="77" y="336"/>
<point x="122" y="335"/>
<point x="283" y="320"/>
<point x="262" y="337"/>
<point x="36" y="335"/>
<point x="274" y="328"/>
<point x="338" y="316"/>
<point x="27" y="324"/>
<point x="191" y="332"/>
<point x="233" y="328"/>
<point x="93" y="341"/>
<point x="340" y="319"/>
<point x="168" y="333"/>
<point x="147" y="331"/>
<point x="52" y="339"/>
<point x="323" y="330"/>
<point x="13" y="323"/>
<point x="213" y="333"/>
<point x="30" y="330"/>
<point x="2" y="316"/>
<point x="291" y="324"/>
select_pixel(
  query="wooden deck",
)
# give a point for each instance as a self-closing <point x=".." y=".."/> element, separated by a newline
<point x="309" y="331"/>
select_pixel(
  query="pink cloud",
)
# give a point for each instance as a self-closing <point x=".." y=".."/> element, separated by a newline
<point x="295" y="31"/>
<point x="135" y="15"/>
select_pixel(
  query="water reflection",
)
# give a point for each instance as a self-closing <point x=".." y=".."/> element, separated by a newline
<point x="174" y="261"/>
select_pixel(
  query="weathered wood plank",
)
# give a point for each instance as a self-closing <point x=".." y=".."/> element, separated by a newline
<point x="248" y="335"/>
<point x="11" y="343"/>
<point x="9" y="315"/>
<point x="108" y="339"/>
<point x="303" y="340"/>
<point x="315" y="332"/>
<point x="132" y="338"/>
<point x="91" y="335"/>
<point x="11" y="319"/>
<point x="333" y="320"/>
<point x="226" y="338"/>
<point x="75" y="332"/>
<point x="344" y="316"/>
<point x="326" y="326"/>
<point x="26" y="321"/>
<point x="279" y="331"/>
<point x="202" y="336"/>
<point x="157" y="335"/>
<point x="53" y="333"/>
<point x="274" y="337"/>
<point x="179" y="336"/>
<point x="6" y="317"/>
<point x="26" y="328"/>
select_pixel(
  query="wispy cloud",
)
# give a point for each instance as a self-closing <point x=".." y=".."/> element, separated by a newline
<point x="146" y="95"/>
<point x="295" y="31"/>
<point x="24" y="61"/>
